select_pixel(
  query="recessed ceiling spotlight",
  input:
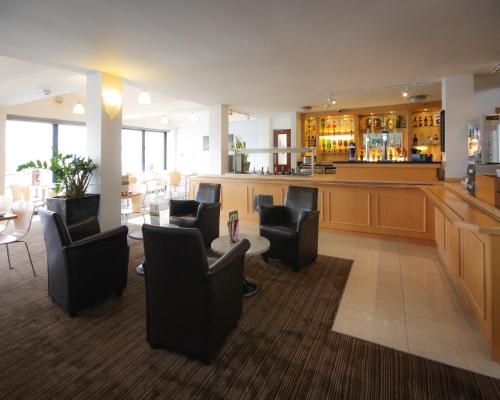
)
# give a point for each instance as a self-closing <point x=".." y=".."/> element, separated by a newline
<point x="392" y="112"/>
<point x="405" y="93"/>
<point x="46" y="92"/>
<point x="333" y="101"/>
<point x="425" y="109"/>
<point x="164" y="119"/>
<point x="371" y="113"/>
<point x="78" y="109"/>
<point x="144" y="98"/>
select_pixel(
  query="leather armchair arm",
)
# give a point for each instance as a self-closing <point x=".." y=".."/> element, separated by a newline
<point x="270" y="215"/>
<point x="207" y="207"/>
<point x="84" y="229"/>
<point x="183" y="207"/>
<point x="307" y="220"/>
<point x="229" y="259"/>
<point x="98" y="239"/>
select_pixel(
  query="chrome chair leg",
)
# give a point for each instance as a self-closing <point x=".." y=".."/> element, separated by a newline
<point x="8" y="255"/>
<point x="29" y="255"/>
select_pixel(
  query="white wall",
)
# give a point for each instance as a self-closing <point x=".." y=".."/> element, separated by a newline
<point x="487" y="101"/>
<point x="190" y="157"/>
<point x="2" y="150"/>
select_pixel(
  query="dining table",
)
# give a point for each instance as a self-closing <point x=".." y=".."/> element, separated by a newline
<point x="7" y="216"/>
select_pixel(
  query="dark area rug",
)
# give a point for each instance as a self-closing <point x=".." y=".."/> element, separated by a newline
<point x="283" y="348"/>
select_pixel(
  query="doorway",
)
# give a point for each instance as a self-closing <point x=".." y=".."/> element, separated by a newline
<point x="282" y="161"/>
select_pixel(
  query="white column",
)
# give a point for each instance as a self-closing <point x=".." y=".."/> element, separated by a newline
<point x="295" y="122"/>
<point x="458" y="103"/>
<point x="218" y="138"/>
<point x="104" y="125"/>
<point x="3" y="152"/>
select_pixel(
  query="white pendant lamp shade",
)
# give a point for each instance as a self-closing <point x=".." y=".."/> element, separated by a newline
<point x="78" y="109"/>
<point x="144" y="98"/>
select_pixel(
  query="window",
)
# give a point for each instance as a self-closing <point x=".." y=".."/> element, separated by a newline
<point x="131" y="150"/>
<point x="27" y="141"/>
<point x="155" y="151"/>
<point x="73" y="140"/>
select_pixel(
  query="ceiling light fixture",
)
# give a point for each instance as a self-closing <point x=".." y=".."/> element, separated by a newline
<point x="78" y="109"/>
<point x="46" y="92"/>
<point x="144" y="98"/>
<point x="192" y="116"/>
<point x="164" y="119"/>
<point x="405" y="93"/>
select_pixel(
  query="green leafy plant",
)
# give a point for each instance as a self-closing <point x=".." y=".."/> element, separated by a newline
<point x="72" y="173"/>
<point x="239" y="144"/>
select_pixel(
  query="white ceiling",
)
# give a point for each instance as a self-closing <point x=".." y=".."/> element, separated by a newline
<point x="257" y="56"/>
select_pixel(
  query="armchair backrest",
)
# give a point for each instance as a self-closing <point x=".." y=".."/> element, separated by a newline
<point x="55" y="233"/>
<point x="300" y="199"/>
<point x="175" y="271"/>
<point x="208" y="193"/>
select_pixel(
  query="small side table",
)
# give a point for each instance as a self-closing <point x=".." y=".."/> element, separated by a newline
<point x="137" y="235"/>
<point x="258" y="245"/>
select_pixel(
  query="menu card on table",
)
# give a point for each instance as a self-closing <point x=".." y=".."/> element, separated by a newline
<point x="233" y="226"/>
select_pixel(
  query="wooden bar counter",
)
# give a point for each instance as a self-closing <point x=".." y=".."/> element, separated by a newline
<point x="390" y="207"/>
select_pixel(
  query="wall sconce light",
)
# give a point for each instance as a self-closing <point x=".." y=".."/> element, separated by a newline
<point x="112" y="101"/>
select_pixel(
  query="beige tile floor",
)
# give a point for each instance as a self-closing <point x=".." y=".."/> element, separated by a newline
<point x="398" y="295"/>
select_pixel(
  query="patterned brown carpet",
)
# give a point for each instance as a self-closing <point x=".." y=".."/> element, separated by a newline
<point x="283" y="348"/>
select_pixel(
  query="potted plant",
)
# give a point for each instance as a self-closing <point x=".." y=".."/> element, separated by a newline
<point x="71" y="177"/>
<point x="239" y="144"/>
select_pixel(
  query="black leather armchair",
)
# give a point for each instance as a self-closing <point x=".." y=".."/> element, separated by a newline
<point x="191" y="306"/>
<point x="202" y="213"/>
<point x="84" y="265"/>
<point x="292" y="228"/>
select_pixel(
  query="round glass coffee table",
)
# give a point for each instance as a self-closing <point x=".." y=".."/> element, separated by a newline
<point x="258" y="245"/>
<point x="137" y="235"/>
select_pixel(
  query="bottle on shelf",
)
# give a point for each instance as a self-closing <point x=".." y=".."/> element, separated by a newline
<point x="426" y="121"/>
<point x="420" y="121"/>
<point x="404" y="153"/>
<point x="322" y="126"/>
<point x="435" y="139"/>
<point x="403" y="122"/>
<point x="438" y="119"/>
<point x="429" y="140"/>
<point x="398" y="121"/>
<point x="422" y="139"/>
<point x="415" y="140"/>
<point x="431" y="121"/>
<point x="415" y="122"/>
<point x="390" y="124"/>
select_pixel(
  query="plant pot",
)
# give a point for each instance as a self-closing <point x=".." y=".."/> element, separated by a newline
<point x="76" y="210"/>
<point x="246" y="167"/>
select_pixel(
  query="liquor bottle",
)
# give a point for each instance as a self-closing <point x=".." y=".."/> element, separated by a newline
<point x="422" y="139"/>
<point x="390" y="124"/>
<point x="383" y="122"/>
<point x="403" y="122"/>
<point x="322" y="126"/>
<point x="426" y="121"/>
<point x="431" y="121"/>
<point x="415" y="140"/>
<point x="429" y="140"/>
<point x="405" y="153"/>
<point x="438" y="119"/>
<point x="435" y="139"/>
<point x="420" y="121"/>
<point x="415" y="122"/>
<point x="398" y="121"/>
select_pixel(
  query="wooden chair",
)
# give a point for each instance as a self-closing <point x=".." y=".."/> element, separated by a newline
<point x="135" y="205"/>
<point x="174" y="178"/>
<point x="5" y="205"/>
<point x="22" y="224"/>
<point x="20" y="192"/>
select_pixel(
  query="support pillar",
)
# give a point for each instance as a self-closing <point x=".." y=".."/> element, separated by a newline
<point x="3" y="151"/>
<point x="104" y="126"/>
<point x="218" y="138"/>
<point x="458" y="103"/>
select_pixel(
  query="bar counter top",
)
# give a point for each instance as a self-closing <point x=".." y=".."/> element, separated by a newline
<point x="324" y="179"/>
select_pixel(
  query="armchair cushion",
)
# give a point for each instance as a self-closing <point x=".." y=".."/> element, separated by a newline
<point x="183" y="207"/>
<point x="270" y="214"/>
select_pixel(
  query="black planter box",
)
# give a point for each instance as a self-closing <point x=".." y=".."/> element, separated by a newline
<point x="76" y="210"/>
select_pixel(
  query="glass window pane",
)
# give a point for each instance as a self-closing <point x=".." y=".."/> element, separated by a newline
<point x="131" y="151"/>
<point x="73" y="140"/>
<point x="155" y="149"/>
<point x="27" y="141"/>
